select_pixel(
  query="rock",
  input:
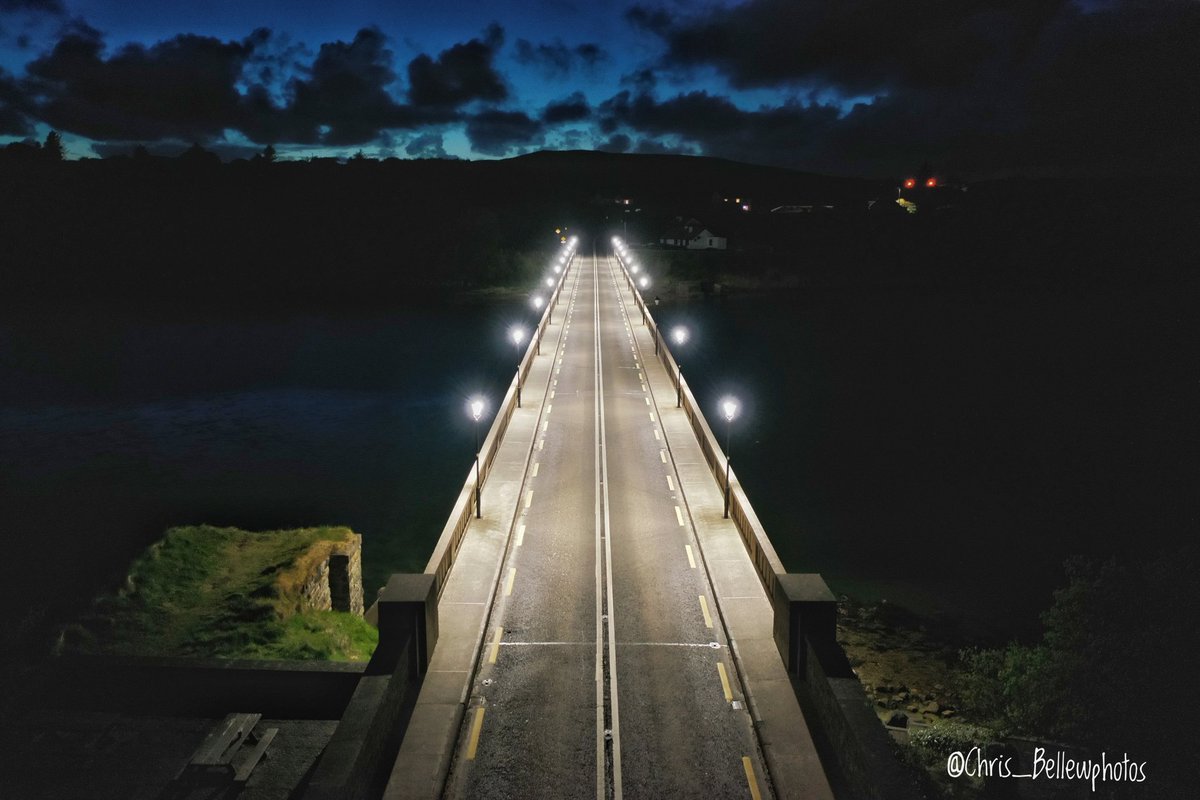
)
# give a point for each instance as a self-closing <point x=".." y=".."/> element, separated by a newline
<point x="937" y="687"/>
<point x="900" y="698"/>
<point x="913" y="707"/>
<point x="897" y="719"/>
<point x="947" y="713"/>
<point x="931" y="708"/>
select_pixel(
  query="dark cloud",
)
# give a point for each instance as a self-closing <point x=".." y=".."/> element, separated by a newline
<point x="39" y="6"/>
<point x="986" y="86"/>
<point x="570" y="109"/>
<point x="426" y="145"/>
<point x="498" y="133"/>
<point x="13" y="108"/>
<point x="180" y="88"/>
<point x="655" y="20"/>
<point x="855" y="45"/>
<point x="344" y="100"/>
<point x="556" y="59"/>
<point x="460" y="74"/>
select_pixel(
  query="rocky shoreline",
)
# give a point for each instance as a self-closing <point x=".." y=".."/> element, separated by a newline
<point x="908" y="669"/>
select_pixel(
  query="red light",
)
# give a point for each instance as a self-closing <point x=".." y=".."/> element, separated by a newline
<point x="932" y="182"/>
<point x="909" y="183"/>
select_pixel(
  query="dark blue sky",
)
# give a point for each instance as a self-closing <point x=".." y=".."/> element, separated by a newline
<point x="868" y="87"/>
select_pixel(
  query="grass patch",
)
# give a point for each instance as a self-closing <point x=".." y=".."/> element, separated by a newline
<point x="226" y="593"/>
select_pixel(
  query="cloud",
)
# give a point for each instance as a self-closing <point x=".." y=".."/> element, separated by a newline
<point x="13" y="107"/>
<point x="987" y="86"/>
<point x="181" y="88"/>
<point x="617" y="143"/>
<point x="556" y="59"/>
<point x="498" y="133"/>
<point x="460" y="74"/>
<point x="346" y="92"/>
<point x="570" y="109"/>
<point x="54" y="7"/>
<point x="856" y="45"/>
<point x="426" y="145"/>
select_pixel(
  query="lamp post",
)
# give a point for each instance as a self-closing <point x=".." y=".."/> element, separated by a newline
<point x="518" y="336"/>
<point x="538" y="302"/>
<point x="729" y="408"/>
<point x="476" y="412"/>
<point x="679" y="335"/>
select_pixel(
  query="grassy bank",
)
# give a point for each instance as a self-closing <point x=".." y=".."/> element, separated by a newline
<point x="222" y="592"/>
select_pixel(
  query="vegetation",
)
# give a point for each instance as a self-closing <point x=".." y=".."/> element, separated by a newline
<point x="223" y="592"/>
<point x="1113" y="670"/>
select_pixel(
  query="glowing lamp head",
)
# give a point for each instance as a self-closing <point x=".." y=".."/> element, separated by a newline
<point x="932" y="182"/>
<point x="909" y="183"/>
<point x="644" y="282"/>
<point x="729" y="408"/>
<point x="538" y="302"/>
<point x="679" y="335"/>
<point x="634" y="268"/>
<point x="518" y="335"/>
<point x="476" y="408"/>
<point x="557" y="268"/>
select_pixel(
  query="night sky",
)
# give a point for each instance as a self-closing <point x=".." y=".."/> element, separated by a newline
<point x="977" y="88"/>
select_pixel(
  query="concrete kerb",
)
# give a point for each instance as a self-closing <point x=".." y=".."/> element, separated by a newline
<point x="451" y="540"/>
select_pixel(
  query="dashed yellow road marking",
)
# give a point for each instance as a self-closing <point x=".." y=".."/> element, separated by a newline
<point x="750" y="779"/>
<point x="725" y="683"/>
<point x="704" y="610"/>
<point x="495" y="651"/>
<point x="512" y="574"/>
<point x="520" y="534"/>
<point x="691" y="556"/>
<point x="679" y="515"/>
<point x="473" y="745"/>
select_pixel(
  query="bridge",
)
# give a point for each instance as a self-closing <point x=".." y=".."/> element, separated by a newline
<point x="603" y="615"/>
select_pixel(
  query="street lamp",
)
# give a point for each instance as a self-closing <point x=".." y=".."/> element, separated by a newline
<point x="518" y="336"/>
<point x="729" y="408"/>
<point x="476" y="413"/>
<point x="679" y="335"/>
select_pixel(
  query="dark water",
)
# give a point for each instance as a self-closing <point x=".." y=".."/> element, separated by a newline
<point x="116" y="424"/>
<point x="945" y="451"/>
<point x="950" y="451"/>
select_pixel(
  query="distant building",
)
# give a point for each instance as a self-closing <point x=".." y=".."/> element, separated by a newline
<point x="692" y="235"/>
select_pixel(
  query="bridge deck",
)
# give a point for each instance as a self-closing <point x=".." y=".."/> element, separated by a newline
<point x="603" y="632"/>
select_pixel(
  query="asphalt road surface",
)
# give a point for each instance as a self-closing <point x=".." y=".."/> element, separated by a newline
<point x="605" y="673"/>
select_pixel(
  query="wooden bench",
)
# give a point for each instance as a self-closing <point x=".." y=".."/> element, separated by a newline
<point x="221" y="756"/>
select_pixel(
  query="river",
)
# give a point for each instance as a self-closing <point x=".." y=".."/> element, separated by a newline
<point x="944" y="451"/>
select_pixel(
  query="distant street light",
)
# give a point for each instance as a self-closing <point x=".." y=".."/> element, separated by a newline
<point x="644" y="282"/>
<point x="476" y="413"/>
<point x="518" y="336"/>
<point x="679" y="335"/>
<point x="729" y="408"/>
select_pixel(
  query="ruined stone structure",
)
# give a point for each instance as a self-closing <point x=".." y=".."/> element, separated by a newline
<point x="333" y="576"/>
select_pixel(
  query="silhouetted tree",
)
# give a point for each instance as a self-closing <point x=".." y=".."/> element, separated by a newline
<point x="52" y="150"/>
